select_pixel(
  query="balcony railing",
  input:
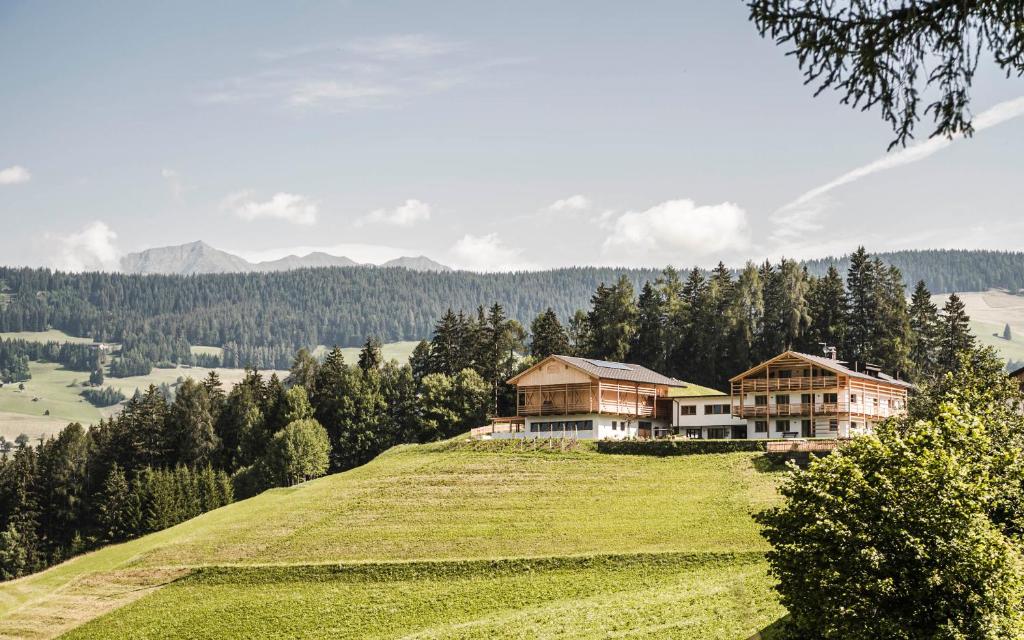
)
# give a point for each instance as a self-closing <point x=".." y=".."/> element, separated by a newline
<point x="793" y="409"/>
<point x="796" y="383"/>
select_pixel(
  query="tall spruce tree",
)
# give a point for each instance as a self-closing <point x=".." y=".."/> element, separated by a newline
<point x="862" y="297"/>
<point x="547" y="335"/>
<point x="827" y="306"/>
<point x="648" y="347"/>
<point x="955" y="333"/>
<point x="370" y="356"/>
<point x="612" y="320"/>
<point x="924" y="327"/>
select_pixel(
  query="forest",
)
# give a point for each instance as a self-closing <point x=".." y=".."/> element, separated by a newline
<point x="262" y="319"/>
<point x="168" y="456"/>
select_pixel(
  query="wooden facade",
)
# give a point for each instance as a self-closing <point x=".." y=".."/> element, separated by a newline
<point x="556" y="388"/>
<point x="800" y="386"/>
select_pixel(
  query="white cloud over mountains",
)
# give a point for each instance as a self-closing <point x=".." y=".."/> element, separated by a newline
<point x="487" y="253"/>
<point x="289" y="207"/>
<point x="407" y="214"/>
<point x="14" y="175"/>
<point x="91" y="249"/>
<point x="679" y="227"/>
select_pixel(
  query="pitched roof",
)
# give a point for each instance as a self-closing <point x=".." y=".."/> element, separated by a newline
<point x="612" y="371"/>
<point x="693" y="391"/>
<point x="832" y="365"/>
<point x="1019" y="373"/>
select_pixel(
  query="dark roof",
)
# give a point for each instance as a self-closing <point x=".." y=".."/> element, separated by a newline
<point x="620" y="371"/>
<point x="840" y="367"/>
<point x="1019" y="373"/>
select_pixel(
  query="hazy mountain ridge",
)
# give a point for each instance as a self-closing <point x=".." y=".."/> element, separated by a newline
<point x="199" y="257"/>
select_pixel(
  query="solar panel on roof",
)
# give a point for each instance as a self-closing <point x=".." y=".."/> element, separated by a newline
<point x="610" y="365"/>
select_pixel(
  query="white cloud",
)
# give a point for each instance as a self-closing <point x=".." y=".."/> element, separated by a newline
<point x="312" y="93"/>
<point x="14" y="175"/>
<point x="679" y="226"/>
<point x="173" y="179"/>
<point x="487" y="253"/>
<point x="91" y="249"/>
<point x="404" y="215"/>
<point x="290" y="207"/>
<point x="409" y="45"/>
<point x="803" y="215"/>
<point x="572" y="203"/>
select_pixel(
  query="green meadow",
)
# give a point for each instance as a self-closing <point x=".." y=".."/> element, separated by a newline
<point x="449" y="540"/>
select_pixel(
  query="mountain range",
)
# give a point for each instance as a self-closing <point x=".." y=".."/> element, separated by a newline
<point x="199" y="257"/>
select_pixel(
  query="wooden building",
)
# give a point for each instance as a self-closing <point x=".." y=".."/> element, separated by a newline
<point x="800" y="395"/>
<point x="1019" y="375"/>
<point x="566" y="396"/>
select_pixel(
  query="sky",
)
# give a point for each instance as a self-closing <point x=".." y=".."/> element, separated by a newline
<point x="488" y="136"/>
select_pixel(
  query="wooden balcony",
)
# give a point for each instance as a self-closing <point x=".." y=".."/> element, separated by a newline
<point x="603" y="397"/>
<point x="795" y="383"/>
<point x="795" y="409"/>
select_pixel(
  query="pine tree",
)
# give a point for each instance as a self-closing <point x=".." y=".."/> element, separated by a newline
<point x="120" y="510"/>
<point x="1007" y="332"/>
<point x="748" y="314"/>
<point x="612" y="320"/>
<point x="955" y="333"/>
<point x="190" y="425"/>
<point x="827" y="306"/>
<point x="862" y="316"/>
<point x="370" y="356"/>
<point x="892" y="340"/>
<point x="648" y="347"/>
<point x="924" y="327"/>
<point x="447" y="345"/>
<point x="547" y="336"/>
<point x="686" y="322"/>
<point x="420" y="360"/>
<point x="579" y="334"/>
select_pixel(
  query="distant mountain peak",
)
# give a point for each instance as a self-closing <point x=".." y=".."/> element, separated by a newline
<point x="199" y="257"/>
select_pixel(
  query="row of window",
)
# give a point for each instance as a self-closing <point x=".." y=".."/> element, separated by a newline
<point x="568" y="425"/>
<point x="782" y="426"/>
<point x="709" y="409"/>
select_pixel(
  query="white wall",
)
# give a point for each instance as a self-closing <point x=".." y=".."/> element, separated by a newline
<point x="704" y="421"/>
<point x="605" y="427"/>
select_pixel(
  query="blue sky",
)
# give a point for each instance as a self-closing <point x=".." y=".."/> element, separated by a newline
<point x="485" y="135"/>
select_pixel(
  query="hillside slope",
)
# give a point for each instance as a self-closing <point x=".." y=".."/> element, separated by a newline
<point x="593" y="543"/>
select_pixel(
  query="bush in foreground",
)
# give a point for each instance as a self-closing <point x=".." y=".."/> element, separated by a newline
<point x="910" y="534"/>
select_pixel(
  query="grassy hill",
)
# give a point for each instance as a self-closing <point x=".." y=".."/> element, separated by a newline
<point x="990" y="312"/>
<point x="447" y="540"/>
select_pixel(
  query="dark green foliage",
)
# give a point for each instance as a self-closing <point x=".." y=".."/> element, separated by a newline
<point x="370" y="356"/>
<point x="119" y="509"/>
<point x="612" y="320"/>
<point x="1007" y="332"/>
<point x="664" y="448"/>
<point x="893" y="56"/>
<point x="106" y="397"/>
<point x="924" y="327"/>
<point x="927" y="515"/>
<point x="299" y="452"/>
<point x="954" y="332"/>
<point x="547" y="335"/>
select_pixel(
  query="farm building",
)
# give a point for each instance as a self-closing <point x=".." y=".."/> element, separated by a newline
<point x="796" y="395"/>
<point x="1019" y="375"/>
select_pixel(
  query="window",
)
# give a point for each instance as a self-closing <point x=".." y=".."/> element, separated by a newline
<point x="833" y="425"/>
<point x="615" y="425"/>
<point x="687" y="409"/>
<point x="805" y="398"/>
<point x="782" y="425"/>
<point x="785" y="373"/>
<point x="831" y="398"/>
<point x="760" y="426"/>
<point x="853" y="398"/>
<point x="782" y="399"/>
<point x="761" y="401"/>
<point x="805" y="428"/>
<point x="717" y="409"/>
<point x="693" y="434"/>
<point x="718" y="433"/>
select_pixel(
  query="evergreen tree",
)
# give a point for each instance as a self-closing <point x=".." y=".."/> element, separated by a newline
<point x="612" y="320"/>
<point x="747" y="313"/>
<point x="370" y="356"/>
<point x="578" y="334"/>
<point x="1007" y="333"/>
<point x="862" y="307"/>
<point x="190" y="425"/>
<point x="648" y="347"/>
<point x="303" y="370"/>
<point x="420" y="360"/>
<point x="924" y="327"/>
<point x="691" y="346"/>
<point x="954" y="334"/>
<point x="446" y="347"/>
<point x="547" y="336"/>
<point x="892" y="340"/>
<point x="119" y="511"/>
<point x="827" y="305"/>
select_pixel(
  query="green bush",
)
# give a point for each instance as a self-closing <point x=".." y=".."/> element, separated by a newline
<point x="678" y="447"/>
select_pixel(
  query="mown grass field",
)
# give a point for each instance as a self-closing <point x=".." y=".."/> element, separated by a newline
<point x="389" y="350"/>
<point x="502" y="543"/>
<point x="55" y="389"/>
<point x="990" y="312"/>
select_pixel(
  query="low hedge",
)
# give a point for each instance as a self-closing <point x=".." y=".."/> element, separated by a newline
<point x="678" y="447"/>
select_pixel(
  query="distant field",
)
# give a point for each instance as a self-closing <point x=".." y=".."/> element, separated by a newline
<point x="55" y="389"/>
<point x="53" y="335"/>
<point x="208" y="351"/>
<point x="990" y="312"/>
<point x="317" y="560"/>
<point x="391" y="351"/>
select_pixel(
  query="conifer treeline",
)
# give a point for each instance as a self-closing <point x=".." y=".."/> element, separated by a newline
<point x="261" y="319"/>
